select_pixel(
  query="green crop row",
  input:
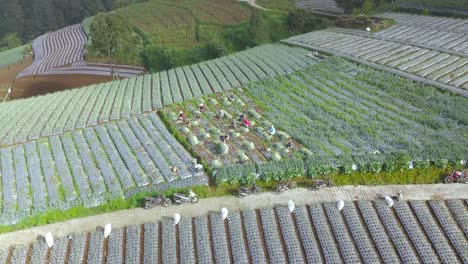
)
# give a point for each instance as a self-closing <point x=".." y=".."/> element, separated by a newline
<point x="313" y="167"/>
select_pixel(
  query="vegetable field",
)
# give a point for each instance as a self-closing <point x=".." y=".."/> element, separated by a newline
<point x="174" y="23"/>
<point x="244" y="145"/>
<point x="433" y="22"/>
<point x="90" y="166"/>
<point x="438" y="68"/>
<point x="331" y="115"/>
<point x="32" y="118"/>
<point x="338" y="109"/>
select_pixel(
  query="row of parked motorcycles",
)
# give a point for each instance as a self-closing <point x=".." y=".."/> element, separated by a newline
<point x="283" y="186"/>
<point x="180" y="198"/>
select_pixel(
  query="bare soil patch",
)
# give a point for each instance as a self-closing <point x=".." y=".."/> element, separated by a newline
<point x="8" y="74"/>
<point x="42" y="84"/>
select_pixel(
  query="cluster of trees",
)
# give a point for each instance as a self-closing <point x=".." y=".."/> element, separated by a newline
<point x="10" y="41"/>
<point x="31" y="18"/>
<point x="111" y="36"/>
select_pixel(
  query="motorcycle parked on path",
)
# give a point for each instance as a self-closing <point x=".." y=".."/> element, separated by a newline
<point x="319" y="184"/>
<point x="457" y="177"/>
<point x="180" y="198"/>
<point x="284" y="186"/>
<point x="245" y="190"/>
<point x="151" y="202"/>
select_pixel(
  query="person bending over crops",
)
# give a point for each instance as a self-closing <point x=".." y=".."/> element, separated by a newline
<point x="221" y="114"/>
<point x="182" y="117"/>
<point x="271" y="130"/>
<point x="246" y="122"/>
<point x="201" y="108"/>
<point x="224" y="138"/>
<point x="289" y="145"/>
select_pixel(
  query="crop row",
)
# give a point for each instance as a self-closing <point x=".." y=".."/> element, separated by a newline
<point x="443" y="68"/>
<point x="32" y="118"/>
<point x="49" y="51"/>
<point x="452" y="41"/>
<point x="435" y="22"/>
<point x="89" y="166"/>
<point x="363" y="231"/>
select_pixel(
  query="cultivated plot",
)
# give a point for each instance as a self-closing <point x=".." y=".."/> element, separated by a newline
<point x="89" y="166"/>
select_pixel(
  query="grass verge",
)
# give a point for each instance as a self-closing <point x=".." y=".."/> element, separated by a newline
<point x="416" y="176"/>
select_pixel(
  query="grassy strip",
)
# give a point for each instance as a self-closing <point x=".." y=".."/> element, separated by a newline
<point x="416" y="176"/>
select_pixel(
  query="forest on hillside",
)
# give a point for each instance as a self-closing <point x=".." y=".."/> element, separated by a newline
<point x="31" y="18"/>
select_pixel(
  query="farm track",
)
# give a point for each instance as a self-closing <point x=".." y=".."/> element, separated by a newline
<point x="303" y="235"/>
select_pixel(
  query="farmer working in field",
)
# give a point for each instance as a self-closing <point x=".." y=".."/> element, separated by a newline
<point x="202" y="108"/>
<point x="272" y="130"/>
<point x="246" y="122"/>
<point x="221" y="114"/>
<point x="182" y="116"/>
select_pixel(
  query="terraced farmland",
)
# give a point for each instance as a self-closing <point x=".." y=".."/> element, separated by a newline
<point x="436" y="68"/>
<point x="32" y="118"/>
<point x="185" y="23"/>
<point x="442" y="23"/>
<point x="364" y="231"/>
<point x="92" y="165"/>
<point x="337" y="108"/>
<point x="62" y="51"/>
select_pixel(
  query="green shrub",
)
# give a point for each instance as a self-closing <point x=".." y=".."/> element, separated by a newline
<point x="234" y="173"/>
<point x="282" y="169"/>
<point x="442" y="163"/>
<point x="422" y="164"/>
<point x="222" y="148"/>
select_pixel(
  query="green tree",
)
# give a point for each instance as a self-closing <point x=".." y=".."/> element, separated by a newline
<point x="112" y="37"/>
<point x="10" y="41"/>
<point x="300" y="21"/>
<point x="368" y="6"/>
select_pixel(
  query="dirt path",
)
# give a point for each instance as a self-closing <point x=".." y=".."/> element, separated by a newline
<point x="253" y="4"/>
<point x="299" y="196"/>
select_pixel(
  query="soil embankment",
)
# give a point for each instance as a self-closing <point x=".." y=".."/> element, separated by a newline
<point x="8" y="74"/>
<point x="43" y="84"/>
